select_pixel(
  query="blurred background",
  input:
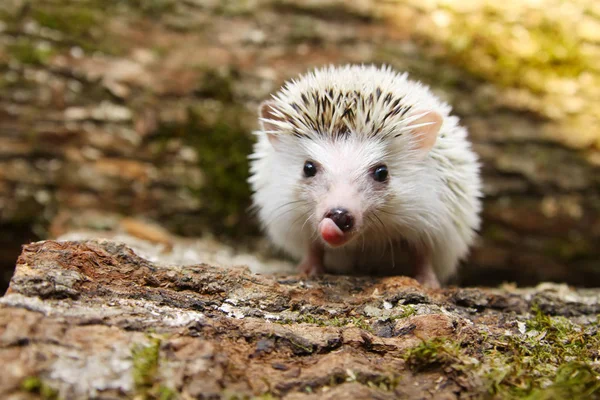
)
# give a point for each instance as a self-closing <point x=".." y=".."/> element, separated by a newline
<point x="135" y="116"/>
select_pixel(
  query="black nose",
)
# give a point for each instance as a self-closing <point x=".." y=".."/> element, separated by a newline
<point x="342" y="218"/>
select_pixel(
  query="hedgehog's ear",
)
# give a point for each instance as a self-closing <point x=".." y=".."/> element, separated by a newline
<point x="269" y="118"/>
<point x="425" y="129"/>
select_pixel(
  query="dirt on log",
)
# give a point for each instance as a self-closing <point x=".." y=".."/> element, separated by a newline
<point x="91" y="319"/>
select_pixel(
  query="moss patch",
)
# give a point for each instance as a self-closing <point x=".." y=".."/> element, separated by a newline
<point x="343" y="321"/>
<point x="553" y="356"/>
<point x="223" y="148"/>
<point x="339" y="322"/>
<point x="217" y="85"/>
<point x="152" y="8"/>
<point x="81" y="25"/>
<point x="146" y="362"/>
<point x="407" y="311"/>
<point x="73" y="21"/>
<point x="434" y="353"/>
<point x="218" y="135"/>
<point x="549" y="358"/>
<point x="573" y="381"/>
<point x="386" y="382"/>
<point x="27" y="51"/>
<point x="34" y="384"/>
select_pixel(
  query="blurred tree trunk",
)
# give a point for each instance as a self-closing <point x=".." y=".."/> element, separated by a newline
<point x="134" y="108"/>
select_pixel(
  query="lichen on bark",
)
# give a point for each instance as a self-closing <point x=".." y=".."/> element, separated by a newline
<point x="109" y="323"/>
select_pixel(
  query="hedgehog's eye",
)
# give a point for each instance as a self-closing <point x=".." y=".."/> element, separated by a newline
<point x="310" y="169"/>
<point x="380" y="173"/>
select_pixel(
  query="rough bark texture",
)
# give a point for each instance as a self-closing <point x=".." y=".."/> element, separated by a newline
<point x="145" y="108"/>
<point x="88" y="319"/>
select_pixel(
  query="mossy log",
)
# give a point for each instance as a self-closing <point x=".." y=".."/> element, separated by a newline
<point x="146" y="108"/>
<point x="91" y="319"/>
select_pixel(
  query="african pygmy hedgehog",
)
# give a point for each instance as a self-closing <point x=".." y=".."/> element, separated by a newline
<point x="359" y="169"/>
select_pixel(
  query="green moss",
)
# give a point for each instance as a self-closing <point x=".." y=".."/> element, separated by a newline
<point x="310" y="319"/>
<point x="361" y="323"/>
<point x="382" y="381"/>
<point x="9" y="18"/>
<point x="223" y="144"/>
<point x="165" y="393"/>
<point x="552" y="360"/>
<point x="387" y="383"/>
<point x="223" y="148"/>
<point x="28" y="52"/>
<point x="338" y="322"/>
<point x="217" y="85"/>
<point x="72" y="21"/>
<point x="152" y="8"/>
<point x="573" y="381"/>
<point x="34" y="384"/>
<point x="407" y="311"/>
<point x="433" y="353"/>
<point x="82" y="25"/>
<point x="554" y="328"/>
<point x="146" y="362"/>
<point x="301" y="348"/>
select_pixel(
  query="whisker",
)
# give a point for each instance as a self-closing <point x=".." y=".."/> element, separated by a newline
<point x="283" y="205"/>
<point x="307" y="219"/>
<point x="295" y="221"/>
<point x="380" y="221"/>
<point x="289" y="229"/>
<point x="276" y="217"/>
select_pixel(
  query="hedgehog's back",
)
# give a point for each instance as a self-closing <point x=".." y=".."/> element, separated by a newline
<point x="353" y="100"/>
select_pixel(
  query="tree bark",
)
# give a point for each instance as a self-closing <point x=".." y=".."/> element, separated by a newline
<point x="86" y="319"/>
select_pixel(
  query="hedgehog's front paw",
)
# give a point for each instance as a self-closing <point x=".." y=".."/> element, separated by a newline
<point x="428" y="279"/>
<point x="311" y="267"/>
<point x="424" y="272"/>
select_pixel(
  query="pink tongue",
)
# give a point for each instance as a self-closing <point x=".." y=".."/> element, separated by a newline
<point x="331" y="233"/>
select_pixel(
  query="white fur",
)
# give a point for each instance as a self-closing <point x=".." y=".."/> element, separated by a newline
<point x="432" y="200"/>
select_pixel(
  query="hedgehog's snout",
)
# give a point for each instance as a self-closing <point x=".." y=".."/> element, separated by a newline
<point x="342" y="218"/>
<point x="337" y="226"/>
<point x="339" y="206"/>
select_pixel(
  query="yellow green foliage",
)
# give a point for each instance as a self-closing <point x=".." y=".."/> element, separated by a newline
<point x="545" y="55"/>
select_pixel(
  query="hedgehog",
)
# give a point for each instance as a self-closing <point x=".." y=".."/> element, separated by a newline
<point x="358" y="169"/>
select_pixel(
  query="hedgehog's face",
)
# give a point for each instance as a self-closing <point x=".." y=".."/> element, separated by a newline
<point x="343" y="182"/>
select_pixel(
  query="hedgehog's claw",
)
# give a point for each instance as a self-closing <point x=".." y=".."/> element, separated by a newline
<point x="424" y="272"/>
<point x="312" y="265"/>
<point x="428" y="280"/>
<point x="311" y="269"/>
